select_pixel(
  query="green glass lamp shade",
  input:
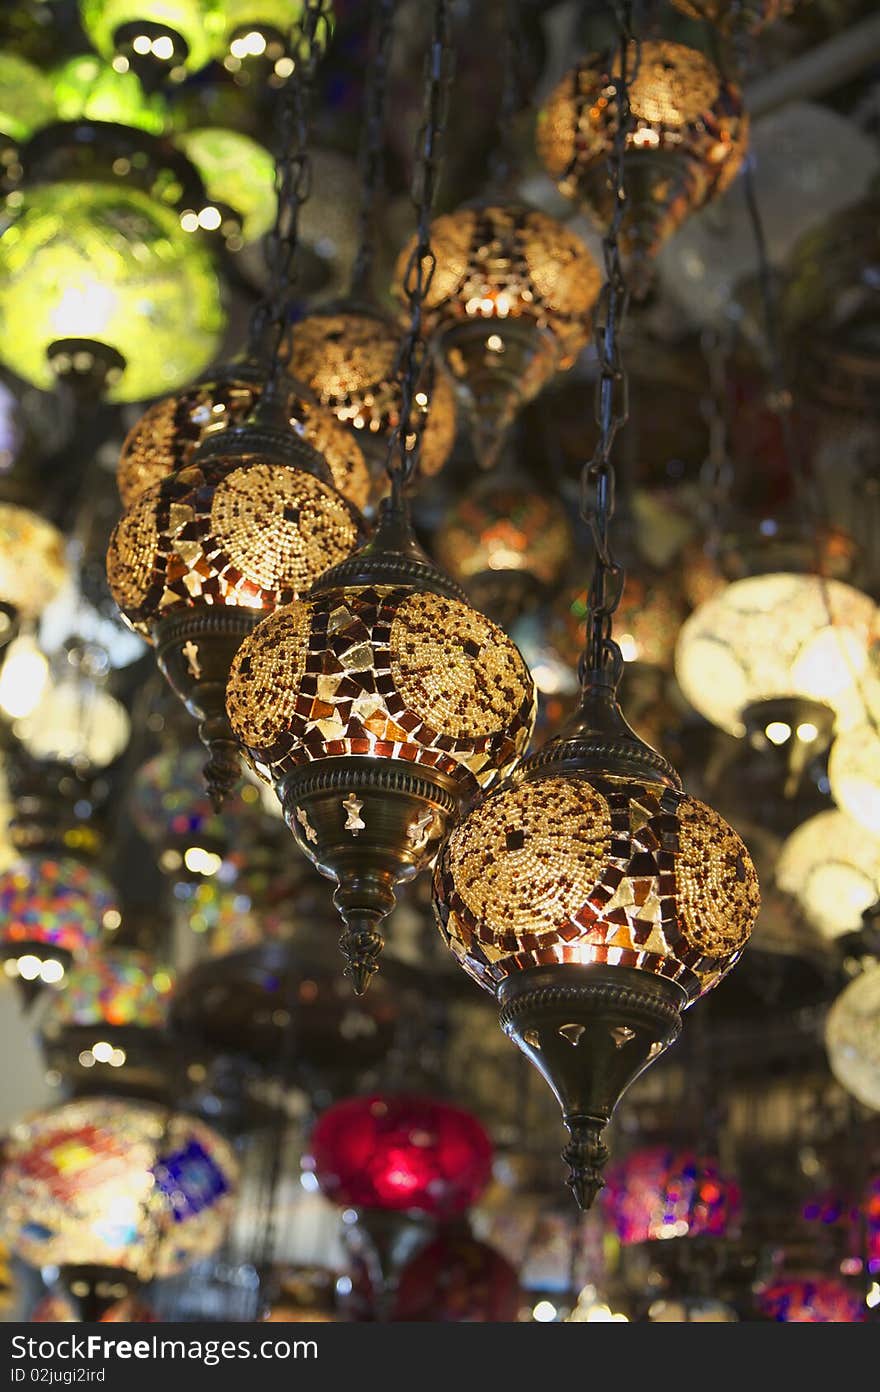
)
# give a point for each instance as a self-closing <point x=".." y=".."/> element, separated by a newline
<point x="26" y="100"/>
<point x="264" y="19"/>
<point x="111" y="266"/>
<point x="197" y="23"/>
<point x="86" y="87"/>
<point x="236" y="171"/>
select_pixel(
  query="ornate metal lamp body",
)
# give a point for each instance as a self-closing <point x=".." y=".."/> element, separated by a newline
<point x="689" y="138"/>
<point x="347" y="355"/>
<point x="509" y="305"/>
<point x="596" y="900"/>
<point x="199" y="558"/>
<point x="378" y="707"/>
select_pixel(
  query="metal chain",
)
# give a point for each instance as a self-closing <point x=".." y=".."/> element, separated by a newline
<point x="293" y="174"/>
<point x="419" y="272"/>
<point x="716" y="476"/>
<point x="372" y="151"/>
<point x="612" y="396"/>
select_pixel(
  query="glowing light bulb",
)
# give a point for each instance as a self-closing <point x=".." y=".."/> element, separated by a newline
<point x="544" y="1312"/>
<point x="162" y="48"/>
<point x="51" y="972"/>
<point x="778" y="731"/>
<point x="84" y="310"/>
<point x="807" y="732"/>
<point x="102" y="1051"/>
<point x="201" y="862"/>
<point x="29" y="967"/>
<point x="23" y="678"/>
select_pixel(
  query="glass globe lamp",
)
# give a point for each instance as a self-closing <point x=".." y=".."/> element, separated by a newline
<point x="156" y="38"/>
<point x="811" y="1300"/>
<point x="347" y="357"/>
<point x="457" y="1279"/>
<point x="509" y="305"/>
<point x="77" y="721"/>
<point x="854" y="765"/>
<point x="507" y="545"/>
<point x="596" y="901"/>
<point x="688" y="141"/>
<point x="261" y="37"/>
<point x="378" y="707"/>
<point x="101" y="1187"/>
<point x="831" y="865"/>
<point x="200" y="557"/>
<point x="401" y="1153"/>
<point x="776" y="656"/>
<point x="647" y="620"/>
<point x="33" y="567"/>
<point x="852" y="1038"/>
<point x="167" y="435"/>
<point x="238" y="173"/>
<point x="105" y="273"/>
<point x="660" y="1193"/>
<point x="51" y="910"/>
<point x="86" y="88"/>
<point x="26" y="99"/>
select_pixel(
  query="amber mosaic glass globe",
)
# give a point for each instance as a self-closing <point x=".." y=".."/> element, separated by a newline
<point x="379" y="706"/>
<point x="348" y="359"/>
<point x="167" y="435"/>
<point x="509" y="304"/>
<point x="119" y="1184"/>
<point x="735" y="15"/>
<point x="689" y="137"/>
<point x="647" y="620"/>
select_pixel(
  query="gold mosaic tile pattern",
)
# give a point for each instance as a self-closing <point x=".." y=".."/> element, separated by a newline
<point x="387" y="672"/>
<point x="348" y="361"/>
<point x="495" y="263"/>
<point x="168" y="434"/>
<point x="680" y="102"/>
<point x="565" y="870"/>
<point x="242" y="532"/>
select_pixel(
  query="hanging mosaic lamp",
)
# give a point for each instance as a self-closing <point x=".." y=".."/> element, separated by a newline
<point x="647" y="620"/>
<point x="26" y="102"/>
<point x="455" y="1279"/>
<point x="172" y="810"/>
<point x="508" y="305"/>
<point x="52" y="909"/>
<point x="661" y="1193"/>
<point x="104" y="1031"/>
<point x="854" y="762"/>
<point x="76" y="721"/>
<point x="687" y="142"/>
<point x="777" y="656"/>
<point x="248" y="525"/>
<point x="597" y="901"/>
<point x="852" y="1038"/>
<point x="831" y="865"/>
<point x="378" y="707"/>
<point x="109" y="1190"/>
<point x="33" y="567"/>
<point x="401" y="1153"/>
<point x="157" y="39"/>
<point x="82" y="267"/>
<point x="346" y="355"/>
<point x="87" y="89"/>
<point x="260" y="38"/>
<point x="238" y="174"/>
<point x="508" y="545"/>
<point x="811" y="1300"/>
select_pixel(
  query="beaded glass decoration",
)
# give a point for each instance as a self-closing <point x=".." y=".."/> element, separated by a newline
<point x="558" y="870"/>
<point x="167" y="435"/>
<point x="113" y="1183"/>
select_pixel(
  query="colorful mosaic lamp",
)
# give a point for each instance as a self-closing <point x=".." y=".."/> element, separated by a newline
<point x="811" y="1300"/>
<point x="52" y="909"/>
<point x="685" y="144"/>
<point x="104" y="1188"/>
<point x="661" y="1192"/>
<point x="590" y="894"/>
<point x="508" y="305"/>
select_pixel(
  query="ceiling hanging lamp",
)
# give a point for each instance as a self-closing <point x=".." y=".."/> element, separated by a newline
<point x="157" y="39"/>
<point x="511" y="289"/>
<point x="592" y="896"/>
<point x="347" y="351"/>
<point x="687" y="138"/>
<point x="252" y="519"/>
<point x="381" y="704"/>
<point x="259" y="39"/>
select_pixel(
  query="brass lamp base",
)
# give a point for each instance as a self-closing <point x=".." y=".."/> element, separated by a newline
<point x="590" y="1031"/>
<point x="406" y="809"/>
<point x="497" y="366"/>
<point x="194" y="651"/>
<point x="92" y="1290"/>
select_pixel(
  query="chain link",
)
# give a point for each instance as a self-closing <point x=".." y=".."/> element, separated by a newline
<point x="371" y="157"/>
<point x="612" y="392"/>
<point x="293" y="175"/>
<point x="419" y="271"/>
